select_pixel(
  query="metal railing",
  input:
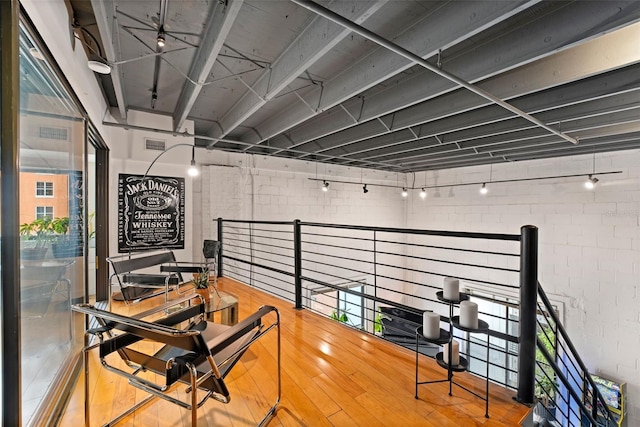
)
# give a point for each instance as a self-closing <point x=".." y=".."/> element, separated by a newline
<point x="568" y="396"/>
<point x="380" y="280"/>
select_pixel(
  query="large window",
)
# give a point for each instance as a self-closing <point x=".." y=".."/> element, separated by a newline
<point x="53" y="231"/>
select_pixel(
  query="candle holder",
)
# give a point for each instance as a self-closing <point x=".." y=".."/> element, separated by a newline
<point x="446" y="337"/>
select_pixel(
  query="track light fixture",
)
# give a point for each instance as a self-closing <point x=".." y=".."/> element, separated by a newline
<point x="591" y="182"/>
<point x="404" y="192"/>
<point x="484" y="189"/>
<point x="423" y="193"/>
<point x="325" y="186"/>
<point x="161" y="37"/>
<point x="365" y="190"/>
<point x="193" y="169"/>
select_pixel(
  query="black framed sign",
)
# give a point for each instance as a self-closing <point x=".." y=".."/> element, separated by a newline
<point x="150" y="212"/>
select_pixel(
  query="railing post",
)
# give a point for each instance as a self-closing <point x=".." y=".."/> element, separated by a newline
<point x="297" y="253"/>
<point x="528" y="311"/>
<point x="221" y="249"/>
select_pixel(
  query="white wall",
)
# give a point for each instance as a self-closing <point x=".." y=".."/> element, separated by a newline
<point x="271" y="189"/>
<point x="589" y="245"/>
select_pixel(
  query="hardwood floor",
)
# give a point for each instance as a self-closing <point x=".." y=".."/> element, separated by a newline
<point x="332" y="375"/>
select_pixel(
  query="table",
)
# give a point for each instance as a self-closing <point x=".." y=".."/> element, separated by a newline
<point x="224" y="303"/>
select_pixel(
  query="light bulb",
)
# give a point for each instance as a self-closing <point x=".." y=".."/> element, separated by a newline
<point x="423" y="194"/>
<point x="160" y="40"/>
<point x="484" y="189"/>
<point x="325" y="186"/>
<point x="193" y="169"/>
<point x="591" y="182"/>
<point x="404" y="192"/>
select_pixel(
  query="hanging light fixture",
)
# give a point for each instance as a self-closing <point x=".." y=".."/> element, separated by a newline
<point x="591" y="182"/>
<point x="365" y="190"/>
<point x="161" y="39"/>
<point x="325" y="186"/>
<point x="404" y="192"/>
<point x="484" y="189"/>
<point x="423" y="193"/>
<point x="193" y="169"/>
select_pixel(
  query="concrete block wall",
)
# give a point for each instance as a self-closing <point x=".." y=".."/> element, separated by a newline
<point x="589" y="253"/>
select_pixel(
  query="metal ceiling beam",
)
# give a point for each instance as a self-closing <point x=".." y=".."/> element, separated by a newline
<point x="310" y="46"/>
<point x="105" y="14"/>
<point x="444" y="27"/>
<point x="418" y="60"/>
<point x="217" y="27"/>
<point x="554" y="145"/>
<point x="595" y="57"/>
<point x="532" y="41"/>
<point x="614" y="128"/>
<point x="470" y="131"/>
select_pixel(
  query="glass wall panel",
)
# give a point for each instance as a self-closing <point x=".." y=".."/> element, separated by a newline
<point x="53" y="228"/>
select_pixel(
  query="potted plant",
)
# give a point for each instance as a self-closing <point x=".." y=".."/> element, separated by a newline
<point x="546" y="384"/>
<point x="378" y="326"/>
<point x="340" y="317"/>
<point x="39" y="232"/>
<point x="64" y="244"/>
<point x="201" y="284"/>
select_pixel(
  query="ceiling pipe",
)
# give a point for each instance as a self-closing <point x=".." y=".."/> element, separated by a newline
<point x="159" y="50"/>
<point x="185" y="134"/>
<point x="334" y="17"/>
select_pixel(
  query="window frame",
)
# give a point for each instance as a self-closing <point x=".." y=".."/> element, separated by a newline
<point x="45" y="195"/>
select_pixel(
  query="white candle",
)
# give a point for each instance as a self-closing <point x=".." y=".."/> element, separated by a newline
<point x="455" y="353"/>
<point x="451" y="290"/>
<point x="431" y="324"/>
<point x="469" y="314"/>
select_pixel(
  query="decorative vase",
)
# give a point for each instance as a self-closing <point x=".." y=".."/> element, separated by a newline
<point x="205" y="294"/>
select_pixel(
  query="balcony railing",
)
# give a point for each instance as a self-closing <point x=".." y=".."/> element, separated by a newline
<point x="380" y="280"/>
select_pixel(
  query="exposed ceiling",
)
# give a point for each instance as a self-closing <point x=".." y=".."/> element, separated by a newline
<point x="386" y="84"/>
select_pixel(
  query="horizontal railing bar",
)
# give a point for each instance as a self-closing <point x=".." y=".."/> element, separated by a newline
<point x="248" y="230"/>
<point x="241" y="221"/>
<point x="463" y="234"/>
<point x="270" y="260"/>
<point x="412" y="257"/>
<point x="273" y="230"/>
<point x="237" y="239"/>
<point x="260" y="237"/>
<point x="286" y="273"/>
<point x="404" y="243"/>
<point x="409" y="269"/>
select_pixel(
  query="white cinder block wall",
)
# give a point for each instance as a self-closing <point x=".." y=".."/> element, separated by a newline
<point x="272" y="189"/>
<point x="589" y="241"/>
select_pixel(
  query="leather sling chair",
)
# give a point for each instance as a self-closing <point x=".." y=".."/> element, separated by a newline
<point x="199" y="356"/>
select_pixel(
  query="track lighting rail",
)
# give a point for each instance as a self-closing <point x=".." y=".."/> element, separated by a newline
<point x="590" y="175"/>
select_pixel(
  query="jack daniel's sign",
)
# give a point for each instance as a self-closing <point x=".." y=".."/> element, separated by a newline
<point x="150" y="212"/>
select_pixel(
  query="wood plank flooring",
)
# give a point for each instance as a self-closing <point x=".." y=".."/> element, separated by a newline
<point x="332" y="375"/>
